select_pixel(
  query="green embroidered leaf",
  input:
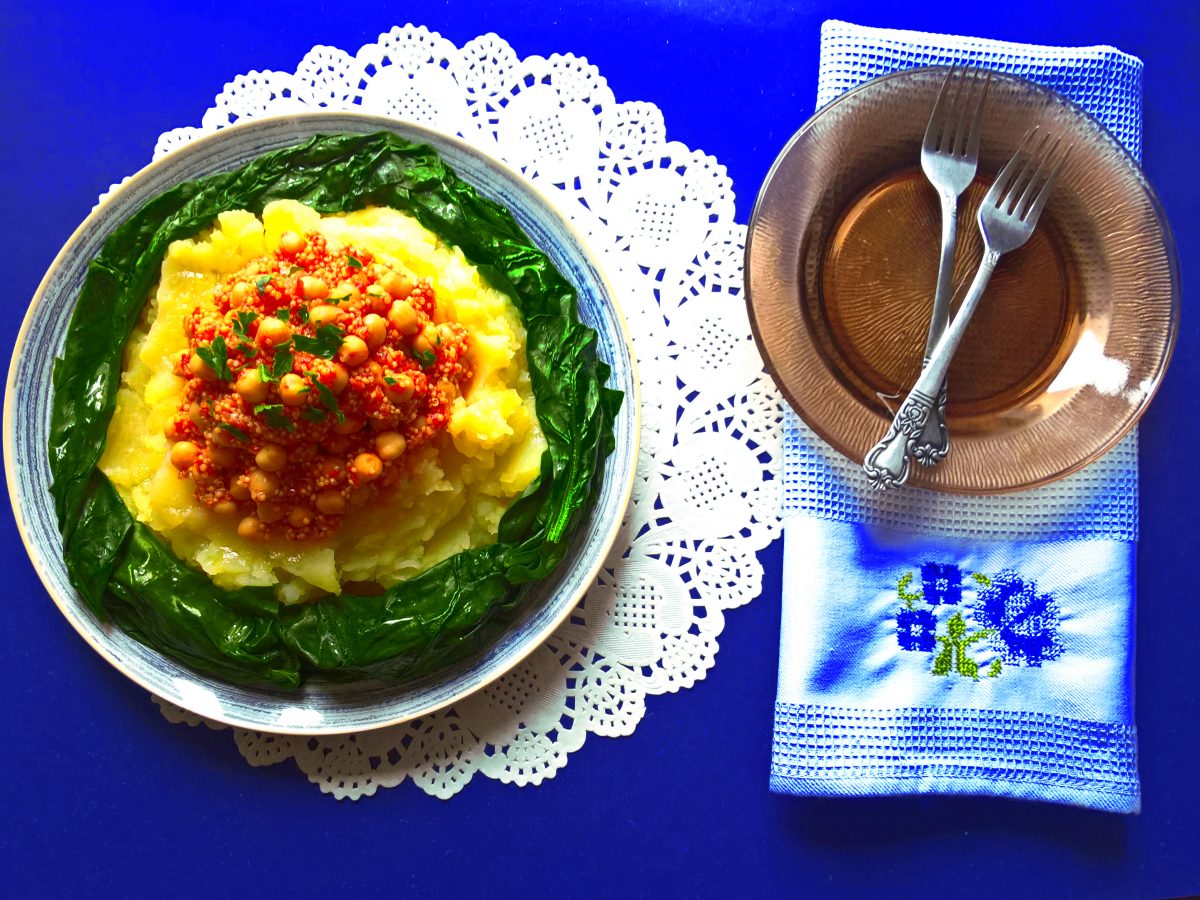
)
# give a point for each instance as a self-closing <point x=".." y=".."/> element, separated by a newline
<point x="325" y="395"/>
<point x="274" y="416"/>
<point x="235" y="431"/>
<point x="325" y="344"/>
<point x="216" y="355"/>
<point x="982" y="579"/>
<point x="353" y="262"/>
<point x="261" y="283"/>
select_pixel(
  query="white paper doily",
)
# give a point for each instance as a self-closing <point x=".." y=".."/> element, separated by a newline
<point x="706" y="498"/>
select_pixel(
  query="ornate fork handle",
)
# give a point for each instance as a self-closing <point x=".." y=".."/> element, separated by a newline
<point x="887" y="465"/>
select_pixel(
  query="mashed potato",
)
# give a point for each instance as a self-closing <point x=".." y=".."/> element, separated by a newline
<point x="457" y="488"/>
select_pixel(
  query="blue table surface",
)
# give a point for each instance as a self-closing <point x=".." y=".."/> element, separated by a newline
<point x="96" y="789"/>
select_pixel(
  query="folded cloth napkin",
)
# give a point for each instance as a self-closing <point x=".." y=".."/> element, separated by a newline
<point x="934" y="643"/>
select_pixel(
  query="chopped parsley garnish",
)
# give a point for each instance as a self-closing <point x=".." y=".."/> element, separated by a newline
<point x="235" y="431"/>
<point x="425" y="357"/>
<point x="265" y="375"/>
<point x="216" y="355"/>
<point x="284" y="314"/>
<point x="336" y="300"/>
<point x="294" y="269"/>
<point x="313" y="414"/>
<point x="242" y="320"/>
<point x="302" y="314"/>
<point x="261" y="283"/>
<point x="388" y="379"/>
<point x="324" y="345"/>
<point x="282" y="364"/>
<point x="325" y="395"/>
<point x="274" y="415"/>
<point x="353" y="262"/>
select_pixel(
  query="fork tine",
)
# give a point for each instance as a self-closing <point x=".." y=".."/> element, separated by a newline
<point x="954" y="113"/>
<point x="1045" y="164"/>
<point x="976" y="125"/>
<point x="938" y="116"/>
<point x="965" y="110"/>
<point x="1033" y="157"/>
<point x="1039" y="202"/>
<point x="996" y="191"/>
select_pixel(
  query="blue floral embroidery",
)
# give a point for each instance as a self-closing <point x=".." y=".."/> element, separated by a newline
<point x="1024" y="622"/>
<point x="941" y="583"/>
<point x="1019" y="624"/>
<point x="915" y="629"/>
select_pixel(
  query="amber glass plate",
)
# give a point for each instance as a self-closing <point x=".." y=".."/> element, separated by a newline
<point x="1070" y="341"/>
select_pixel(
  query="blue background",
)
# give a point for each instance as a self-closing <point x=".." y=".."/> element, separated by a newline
<point x="97" y="790"/>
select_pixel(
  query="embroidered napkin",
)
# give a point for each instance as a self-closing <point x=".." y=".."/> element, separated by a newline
<point x="963" y="645"/>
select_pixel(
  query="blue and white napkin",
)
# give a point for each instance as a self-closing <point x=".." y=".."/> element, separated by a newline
<point x="961" y="645"/>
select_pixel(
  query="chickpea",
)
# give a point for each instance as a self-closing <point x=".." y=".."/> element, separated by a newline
<point x="399" y="286"/>
<point x="271" y="458"/>
<point x="225" y="508"/>
<point x="368" y="466"/>
<point x="449" y="390"/>
<point x="350" y="426"/>
<point x="239" y="491"/>
<point x="340" y="378"/>
<point x="445" y="334"/>
<point x="251" y="388"/>
<point x="292" y="243"/>
<point x="336" y="444"/>
<point x="272" y="332"/>
<point x="269" y="511"/>
<point x="376" y="328"/>
<point x="196" y="414"/>
<point x="241" y="294"/>
<point x="183" y="454"/>
<point x="172" y="431"/>
<point x="423" y="343"/>
<point x="331" y="502"/>
<point x="389" y="445"/>
<point x="222" y="457"/>
<point x="222" y="438"/>
<point x="200" y="369"/>
<point x="404" y="318"/>
<point x="348" y="291"/>
<point x="402" y="390"/>
<point x="314" y="288"/>
<point x="378" y="300"/>
<point x="354" y="351"/>
<point x="263" y="485"/>
<point x="293" y="389"/>
<point x="251" y="529"/>
<point x="300" y="516"/>
<point x="323" y="315"/>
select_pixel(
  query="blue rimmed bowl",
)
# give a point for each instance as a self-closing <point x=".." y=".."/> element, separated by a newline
<point x="318" y="706"/>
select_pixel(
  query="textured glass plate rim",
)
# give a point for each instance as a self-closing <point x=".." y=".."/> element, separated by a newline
<point x="485" y="673"/>
<point x="765" y="197"/>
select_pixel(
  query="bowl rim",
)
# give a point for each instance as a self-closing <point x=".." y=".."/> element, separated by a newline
<point x="199" y="144"/>
<point x="1050" y="95"/>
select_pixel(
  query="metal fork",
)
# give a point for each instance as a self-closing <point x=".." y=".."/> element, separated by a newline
<point x="949" y="158"/>
<point x="1006" y="219"/>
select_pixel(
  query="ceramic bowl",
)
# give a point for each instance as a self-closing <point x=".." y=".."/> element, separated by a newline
<point x="319" y="706"/>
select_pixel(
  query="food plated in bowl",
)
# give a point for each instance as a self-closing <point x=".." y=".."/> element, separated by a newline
<point x="333" y="411"/>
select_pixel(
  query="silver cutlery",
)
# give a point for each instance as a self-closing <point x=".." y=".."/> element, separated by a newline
<point x="1007" y="217"/>
<point x="949" y="158"/>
